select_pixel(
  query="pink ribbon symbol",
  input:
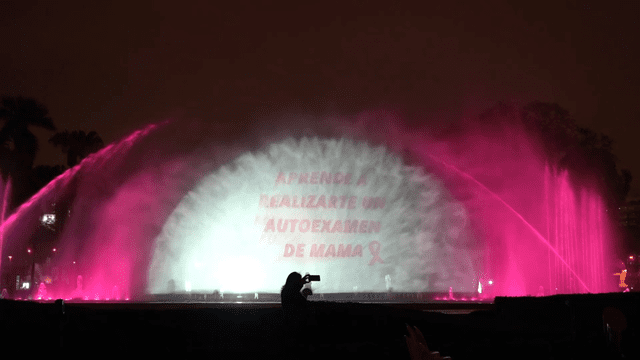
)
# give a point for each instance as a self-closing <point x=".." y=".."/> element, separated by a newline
<point x="374" y="248"/>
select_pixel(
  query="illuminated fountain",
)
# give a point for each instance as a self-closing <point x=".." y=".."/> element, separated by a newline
<point x="540" y="227"/>
<point x="364" y="209"/>
<point x="5" y="191"/>
<point x="332" y="207"/>
<point x="102" y="255"/>
<point x="42" y="292"/>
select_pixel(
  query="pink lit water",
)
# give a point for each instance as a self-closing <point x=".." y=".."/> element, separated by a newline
<point x="574" y="235"/>
<point x="544" y="230"/>
<point x="107" y="264"/>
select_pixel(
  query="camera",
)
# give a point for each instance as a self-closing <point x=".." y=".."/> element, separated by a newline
<point x="314" y="277"/>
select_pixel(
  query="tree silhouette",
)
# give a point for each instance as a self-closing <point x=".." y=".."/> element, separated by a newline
<point x="18" y="144"/>
<point x="568" y="145"/>
<point x="41" y="175"/>
<point x="77" y="144"/>
<point x="579" y="149"/>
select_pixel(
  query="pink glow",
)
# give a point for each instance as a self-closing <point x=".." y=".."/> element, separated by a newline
<point x="106" y="262"/>
<point x="535" y="224"/>
<point x="42" y="292"/>
<point x="5" y="191"/>
<point x="64" y="178"/>
<point x="514" y="284"/>
<point x="542" y="228"/>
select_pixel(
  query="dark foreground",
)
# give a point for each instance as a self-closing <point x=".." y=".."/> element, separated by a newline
<point x="555" y="327"/>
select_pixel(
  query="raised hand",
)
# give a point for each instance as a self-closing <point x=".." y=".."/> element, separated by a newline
<point x="417" y="345"/>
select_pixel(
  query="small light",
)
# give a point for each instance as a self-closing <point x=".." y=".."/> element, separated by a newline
<point x="490" y="282"/>
<point x="29" y="251"/>
<point x="54" y="249"/>
<point x="10" y="257"/>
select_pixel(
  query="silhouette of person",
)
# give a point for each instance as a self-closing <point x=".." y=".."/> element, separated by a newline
<point x="294" y="304"/>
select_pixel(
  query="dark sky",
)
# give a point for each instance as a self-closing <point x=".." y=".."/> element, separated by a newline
<point x="116" y="66"/>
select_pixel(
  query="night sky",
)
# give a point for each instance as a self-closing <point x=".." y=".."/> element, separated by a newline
<point x="117" y="66"/>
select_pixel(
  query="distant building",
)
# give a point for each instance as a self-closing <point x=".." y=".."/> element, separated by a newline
<point x="629" y="220"/>
<point x="630" y="213"/>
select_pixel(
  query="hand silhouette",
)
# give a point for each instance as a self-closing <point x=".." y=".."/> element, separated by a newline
<point x="418" y="349"/>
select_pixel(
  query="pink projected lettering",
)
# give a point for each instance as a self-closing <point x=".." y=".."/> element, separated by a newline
<point x="482" y="210"/>
<point x="323" y="226"/>
<point x="316" y="177"/>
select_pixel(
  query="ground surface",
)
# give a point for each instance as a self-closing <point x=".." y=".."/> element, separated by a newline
<point x="512" y="328"/>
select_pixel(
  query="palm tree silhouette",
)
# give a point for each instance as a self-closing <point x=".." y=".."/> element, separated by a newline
<point x="77" y="144"/>
<point x="18" y="145"/>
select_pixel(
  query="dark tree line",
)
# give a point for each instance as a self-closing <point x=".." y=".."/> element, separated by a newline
<point x="585" y="153"/>
<point x="567" y="145"/>
<point x="19" y="147"/>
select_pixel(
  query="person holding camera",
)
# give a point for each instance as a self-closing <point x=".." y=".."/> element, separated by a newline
<point x="294" y="302"/>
